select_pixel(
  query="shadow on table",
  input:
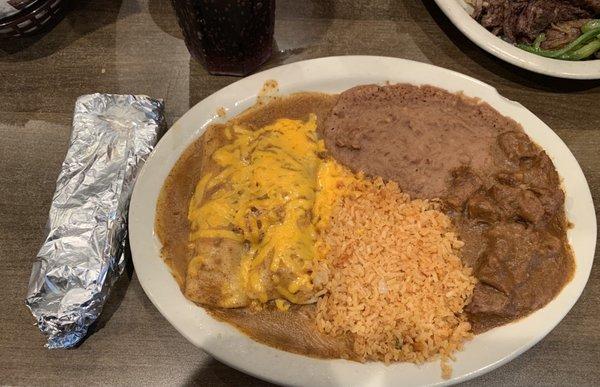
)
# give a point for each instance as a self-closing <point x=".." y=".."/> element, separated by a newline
<point x="202" y="84"/>
<point x="215" y="373"/>
<point x="163" y="15"/>
<point x="490" y="62"/>
<point x="82" y="17"/>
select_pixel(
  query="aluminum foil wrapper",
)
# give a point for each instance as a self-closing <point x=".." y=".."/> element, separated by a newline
<point x="83" y="253"/>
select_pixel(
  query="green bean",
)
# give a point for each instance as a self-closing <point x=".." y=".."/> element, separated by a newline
<point x="584" y="38"/>
<point x="591" y="25"/>
<point x="540" y="38"/>
<point x="583" y="52"/>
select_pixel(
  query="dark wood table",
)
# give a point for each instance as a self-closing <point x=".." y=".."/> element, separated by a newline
<point x="134" y="46"/>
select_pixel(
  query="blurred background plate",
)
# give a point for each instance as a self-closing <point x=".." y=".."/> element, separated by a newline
<point x="20" y="18"/>
<point x="458" y="13"/>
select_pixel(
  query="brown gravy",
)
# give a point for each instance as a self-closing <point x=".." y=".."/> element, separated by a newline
<point x="510" y="193"/>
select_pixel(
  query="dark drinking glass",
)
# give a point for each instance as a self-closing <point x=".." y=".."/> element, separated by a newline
<point x="232" y="37"/>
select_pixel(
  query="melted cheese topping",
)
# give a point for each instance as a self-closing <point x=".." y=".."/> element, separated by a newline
<point x="273" y="193"/>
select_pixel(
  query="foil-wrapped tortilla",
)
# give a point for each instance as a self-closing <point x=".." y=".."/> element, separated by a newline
<point x="82" y="255"/>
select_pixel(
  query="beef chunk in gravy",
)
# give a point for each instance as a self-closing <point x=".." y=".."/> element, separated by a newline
<point x="524" y="260"/>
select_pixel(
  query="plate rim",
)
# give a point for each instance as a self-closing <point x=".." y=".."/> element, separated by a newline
<point x="137" y="208"/>
<point x="583" y="70"/>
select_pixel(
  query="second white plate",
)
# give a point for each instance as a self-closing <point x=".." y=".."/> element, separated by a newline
<point x="456" y="11"/>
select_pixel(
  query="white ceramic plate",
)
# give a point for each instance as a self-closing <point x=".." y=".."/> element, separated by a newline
<point x="335" y="74"/>
<point x="456" y="10"/>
